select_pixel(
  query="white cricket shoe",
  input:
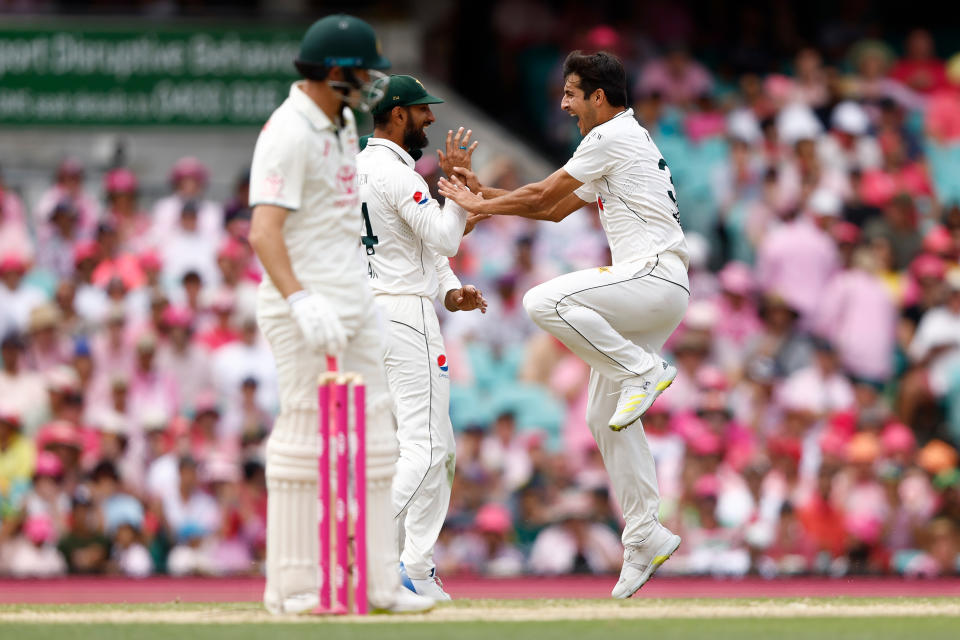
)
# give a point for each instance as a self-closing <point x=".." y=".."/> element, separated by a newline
<point x="295" y="604"/>
<point x="406" y="601"/>
<point x="640" y="562"/>
<point x="638" y="395"/>
<point x="431" y="587"/>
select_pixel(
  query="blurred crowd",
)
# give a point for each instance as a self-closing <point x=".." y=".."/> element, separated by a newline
<point x="813" y="428"/>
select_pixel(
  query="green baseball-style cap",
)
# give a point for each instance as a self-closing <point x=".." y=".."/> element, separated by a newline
<point x="342" y="41"/>
<point x="402" y="91"/>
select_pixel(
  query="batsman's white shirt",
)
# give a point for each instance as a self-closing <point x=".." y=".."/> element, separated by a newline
<point x="407" y="236"/>
<point x="303" y="163"/>
<point x="623" y="170"/>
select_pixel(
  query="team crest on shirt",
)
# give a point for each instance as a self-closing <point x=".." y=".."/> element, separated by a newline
<point x="420" y="198"/>
<point x="442" y="362"/>
<point x="346" y="179"/>
<point x="274" y="185"/>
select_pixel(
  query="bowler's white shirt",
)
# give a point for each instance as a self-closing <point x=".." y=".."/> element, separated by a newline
<point x="623" y="170"/>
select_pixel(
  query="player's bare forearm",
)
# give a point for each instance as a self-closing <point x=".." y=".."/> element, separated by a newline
<point x="266" y="238"/>
<point x="531" y="200"/>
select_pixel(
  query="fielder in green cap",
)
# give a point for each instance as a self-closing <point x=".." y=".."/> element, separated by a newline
<point x="315" y="302"/>
<point x="407" y="237"/>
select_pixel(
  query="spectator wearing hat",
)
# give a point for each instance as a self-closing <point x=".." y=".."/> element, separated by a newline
<point x="47" y="496"/>
<point x="849" y="145"/>
<point x="56" y="239"/>
<point x="32" y="554"/>
<point x="48" y="346"/>
<point x="858" y="317"/>
<point x="22" y="392"/>
<point x="90" y="300"/>
<point x="821" y="388"/>
<point x="676" y="76"/>
<point x="223" y="331"/>
<point x="737" y="319"/>
<point x="933" y="353"/>
<point x="17" y="297"/>
<point x="233" y="258"/>
<point x="150" y="386"/>
<point x="120" y="187"/>
<point x="486" y="549"/>
<point x="249" y="357"/>
<point x="184" y="357"/>
<point x="68" y="187"/>
<point x="864" y="501"/>
<point x="188" y="181"/>
<point x="711" y="549"/>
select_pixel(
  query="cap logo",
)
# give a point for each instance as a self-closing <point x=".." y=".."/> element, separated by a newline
<point x="420" y="83"/>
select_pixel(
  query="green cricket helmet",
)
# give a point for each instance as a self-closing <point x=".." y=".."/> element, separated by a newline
<point x="340" y="41"/>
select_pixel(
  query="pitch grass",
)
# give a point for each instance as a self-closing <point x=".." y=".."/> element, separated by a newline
<point x="106" y="622"/>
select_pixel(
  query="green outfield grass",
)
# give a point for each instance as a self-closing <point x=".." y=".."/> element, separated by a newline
<point x="740" y="619"/>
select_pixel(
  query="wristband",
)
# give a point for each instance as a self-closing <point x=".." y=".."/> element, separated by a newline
<point x="297" y="296"/>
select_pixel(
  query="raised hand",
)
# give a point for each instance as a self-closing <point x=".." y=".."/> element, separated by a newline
<point x="458" y="151"/>
<point x="466" y="298"/>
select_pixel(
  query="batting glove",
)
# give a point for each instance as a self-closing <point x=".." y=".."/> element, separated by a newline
<point x="321" y="327"/>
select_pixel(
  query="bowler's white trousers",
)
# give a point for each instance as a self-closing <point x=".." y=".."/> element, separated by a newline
<point x="292" y="538"/>
<point x="420" y="384"/>
<point x="617" y="319"/>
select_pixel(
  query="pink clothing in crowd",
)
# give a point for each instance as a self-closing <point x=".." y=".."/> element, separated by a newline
<point x="859" y="318"/>
<point x="691" y="83"/>
<point x="796" y="261"/>
<point x="86" y="206"/>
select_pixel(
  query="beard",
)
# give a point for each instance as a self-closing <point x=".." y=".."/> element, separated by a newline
<point x="414" y="138"/>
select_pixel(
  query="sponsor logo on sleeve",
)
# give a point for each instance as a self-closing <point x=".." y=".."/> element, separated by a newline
<point x="442" y="362"/>
<point x="420" y="198"/>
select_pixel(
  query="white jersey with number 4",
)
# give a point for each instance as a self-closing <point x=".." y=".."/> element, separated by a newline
<point x="621" y="167"/>
<point x="405" y="234"/>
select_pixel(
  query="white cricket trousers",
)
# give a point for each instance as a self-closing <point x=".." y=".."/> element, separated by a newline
<point x="617" y="319"/>
<point x="420" y="384"/>
<point x="292" y="537"/>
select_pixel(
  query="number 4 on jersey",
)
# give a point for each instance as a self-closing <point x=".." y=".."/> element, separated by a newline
<point x="368" y="240"/>
<point x="663" y="167"/>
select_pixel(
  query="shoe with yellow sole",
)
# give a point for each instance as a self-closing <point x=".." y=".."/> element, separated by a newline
<point x="636" y="397"/>
<point x="640" y="562"/>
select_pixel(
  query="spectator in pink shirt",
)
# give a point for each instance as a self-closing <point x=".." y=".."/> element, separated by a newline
<point x="182" y="356"/>
<point x="188" y="179"/>
<point x="150" y="387"/>
<point x="737" y="319"/>
<point x="132" y="224"/>
<point x="858" y="317"/>
<point x="14" y="234"/>
<point x="676" y="76"/>
<point x="796" y="261"/>
<point x="920" y="69"/>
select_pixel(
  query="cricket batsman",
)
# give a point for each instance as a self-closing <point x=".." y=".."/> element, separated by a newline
<point x="315" y="300"/>
<point x="408" y="237"/>
<point x="615" y="318"/>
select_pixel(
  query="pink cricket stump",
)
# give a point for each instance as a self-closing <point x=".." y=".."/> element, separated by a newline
<point x="323" y="468"/>
<point x="341" y="571"/>
<point x="360" y="493"/>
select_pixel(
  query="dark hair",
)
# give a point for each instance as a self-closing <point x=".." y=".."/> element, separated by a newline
<point x="381" y="118"/>
<point x="599" y="71"/>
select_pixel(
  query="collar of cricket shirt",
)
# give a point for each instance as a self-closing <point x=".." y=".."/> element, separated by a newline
<point x="309" y="109"/>
<point x="392" y="146"/>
